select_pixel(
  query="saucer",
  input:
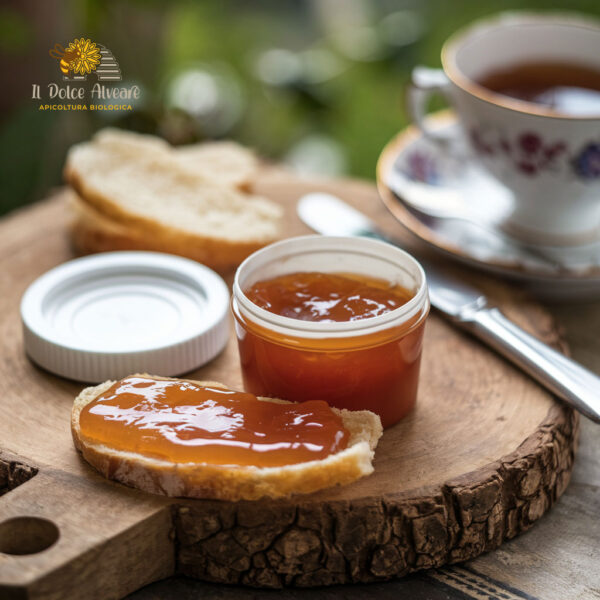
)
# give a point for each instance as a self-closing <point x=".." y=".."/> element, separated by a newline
<point x="443" y="196"/>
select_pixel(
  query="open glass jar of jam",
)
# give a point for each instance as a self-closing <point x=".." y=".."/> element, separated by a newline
<point x="369" y="361"/>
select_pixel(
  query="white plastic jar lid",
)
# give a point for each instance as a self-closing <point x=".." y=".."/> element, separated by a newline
<point x="113" y="314"/>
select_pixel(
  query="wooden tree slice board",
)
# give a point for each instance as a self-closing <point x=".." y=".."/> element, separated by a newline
<point x="484" y="455"/>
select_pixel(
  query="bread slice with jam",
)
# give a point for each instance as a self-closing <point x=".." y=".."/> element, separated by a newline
<point x="230" y="481"/>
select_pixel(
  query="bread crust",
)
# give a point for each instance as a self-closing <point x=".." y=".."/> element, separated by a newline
<point x="92" y="231"/>
<point x="232" y="482"/>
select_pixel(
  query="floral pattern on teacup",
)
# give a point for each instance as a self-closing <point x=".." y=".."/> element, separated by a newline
<point x="421" y="166"/>
<point x="587" y="163"/>
<point x="529" y="152"/>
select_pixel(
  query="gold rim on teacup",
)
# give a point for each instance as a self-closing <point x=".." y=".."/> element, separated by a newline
<point x="452" y="45"/>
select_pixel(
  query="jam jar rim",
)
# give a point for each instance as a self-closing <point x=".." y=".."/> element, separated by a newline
<point x="417" y="306"/>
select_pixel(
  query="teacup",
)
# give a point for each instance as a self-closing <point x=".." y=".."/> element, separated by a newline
<point x="549" y="160"/>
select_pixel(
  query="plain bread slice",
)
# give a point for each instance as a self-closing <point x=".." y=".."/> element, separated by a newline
<point x="152" y="192"/>
<point x="92" y="231"/>
<point x="220" y="162"/>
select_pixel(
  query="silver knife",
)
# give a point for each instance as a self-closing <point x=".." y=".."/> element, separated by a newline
<point x="468" y="308"/>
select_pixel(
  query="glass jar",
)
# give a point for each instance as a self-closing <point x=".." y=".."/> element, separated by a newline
<point x="371" y="363"/>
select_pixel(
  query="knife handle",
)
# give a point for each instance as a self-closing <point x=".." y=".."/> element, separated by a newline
<point x="571" y="382"/>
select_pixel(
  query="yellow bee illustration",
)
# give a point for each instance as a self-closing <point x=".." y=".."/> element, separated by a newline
<point x="81" y="56"/>
<point x="66" y="58"/>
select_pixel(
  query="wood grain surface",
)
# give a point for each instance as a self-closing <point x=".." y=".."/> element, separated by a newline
<point x="483" y="456"/>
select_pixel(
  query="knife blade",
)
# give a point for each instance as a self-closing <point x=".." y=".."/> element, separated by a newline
<point x="468" y="308"/>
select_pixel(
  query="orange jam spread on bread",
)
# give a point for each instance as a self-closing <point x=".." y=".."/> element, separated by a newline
<point x="181" y="421"/>
<point x="327" y="297"/>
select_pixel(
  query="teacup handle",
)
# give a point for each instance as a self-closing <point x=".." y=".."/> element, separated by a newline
<point x="425" y="83"/>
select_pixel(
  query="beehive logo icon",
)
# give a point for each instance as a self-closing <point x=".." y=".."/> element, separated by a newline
<point x="83" y="57"/>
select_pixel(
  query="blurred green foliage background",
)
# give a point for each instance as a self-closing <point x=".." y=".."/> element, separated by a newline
<point x="318" y="84"/>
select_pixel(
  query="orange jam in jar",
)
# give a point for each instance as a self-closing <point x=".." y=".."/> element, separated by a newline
<point x="327" y="297"/>
<point x="181" y="421"/>
<point x="335" y="319"/>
